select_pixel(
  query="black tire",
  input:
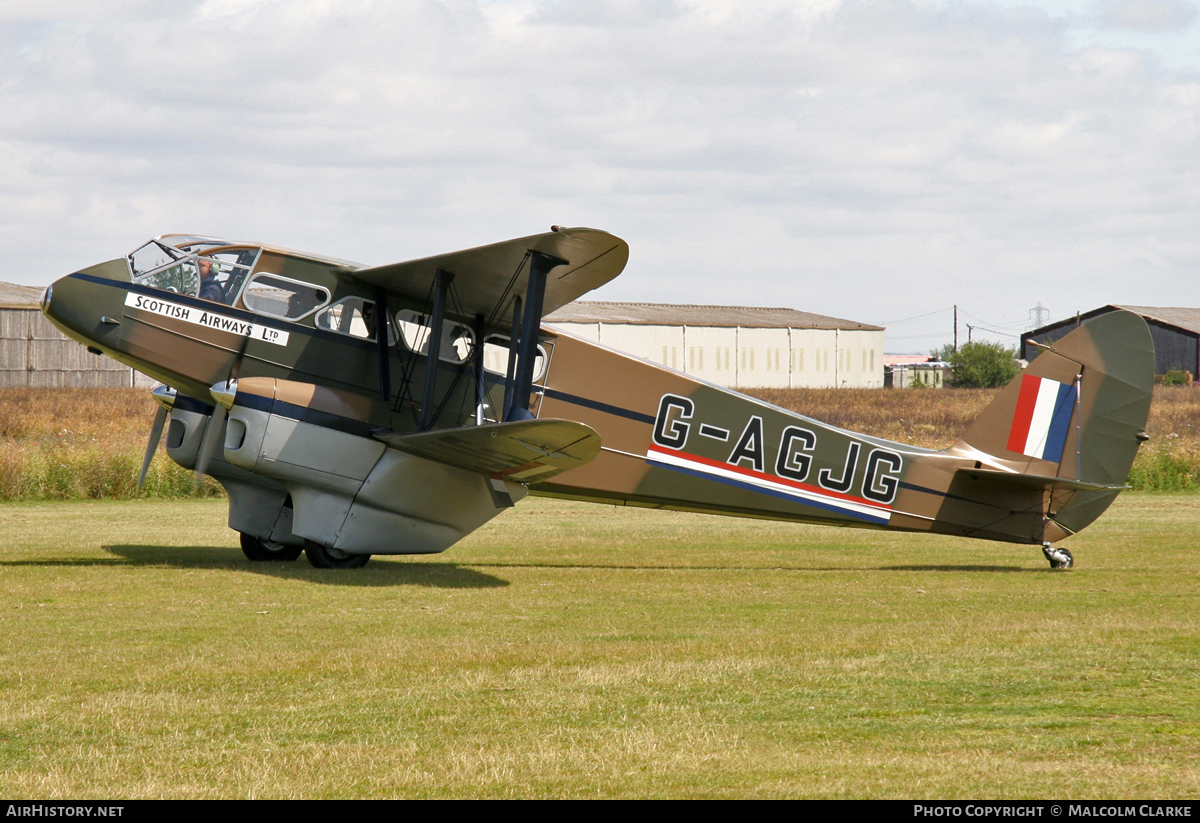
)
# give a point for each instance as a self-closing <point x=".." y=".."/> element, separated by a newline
<point x="259" y="551"/>
<point x="1059" y="558"/>
<point x="323" y="558"/>
<point x="1066" y="561"/>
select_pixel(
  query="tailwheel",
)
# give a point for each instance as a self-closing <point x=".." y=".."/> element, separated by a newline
<point x="322" y="557"/>
<point x="1059" y="558"/>
<point x="262" y="550"/>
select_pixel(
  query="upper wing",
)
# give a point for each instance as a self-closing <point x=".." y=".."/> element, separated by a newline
<point x="483" y="276"/>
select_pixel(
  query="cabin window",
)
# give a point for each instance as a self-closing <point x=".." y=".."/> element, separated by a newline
<point x="353" y="316"/>
<point x="457" y="340"/>
<point x="495" y="357"/>
<point x="283" y="297"/>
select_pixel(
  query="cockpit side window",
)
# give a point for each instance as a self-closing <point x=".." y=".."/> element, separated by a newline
<point x="182" y="277"/>
<point x="216" y="276"/>
<point x="229" y="271"/>
<point x="153" y="255"/>
<point x="283" y="297"/>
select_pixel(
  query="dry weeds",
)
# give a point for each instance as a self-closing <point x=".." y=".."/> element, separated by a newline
<point x="935" y="418"/>
<point x="60" y="444"/>
<point x="70" y="444"/>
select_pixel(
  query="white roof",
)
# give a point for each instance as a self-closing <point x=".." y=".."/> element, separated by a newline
<point x="668" y="314"/>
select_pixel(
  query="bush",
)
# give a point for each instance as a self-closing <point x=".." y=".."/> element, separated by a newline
<point x="1176" y="377"/>
<point x="1165" y="470"/>
<point x="983" y="365"/>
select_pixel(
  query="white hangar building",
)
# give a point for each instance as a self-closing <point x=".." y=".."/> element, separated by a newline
<point x="741" y="347"/>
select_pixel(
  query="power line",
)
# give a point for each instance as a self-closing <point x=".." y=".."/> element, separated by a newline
<point x="997" y="331"/>
<point x="918" y="317"/>
<point x="1011" y="324"/>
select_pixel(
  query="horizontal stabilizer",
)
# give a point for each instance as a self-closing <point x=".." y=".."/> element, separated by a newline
<point x="1037" y="481"/>
<point x="487" y="275"/>
<point x="527" y="451"/>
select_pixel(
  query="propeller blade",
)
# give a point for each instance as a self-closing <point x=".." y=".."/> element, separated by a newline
<point x="209" y="442"/>
<point x="235" y="368"/>
<point x="156" y="430"/>
<point x="224" y="392"/>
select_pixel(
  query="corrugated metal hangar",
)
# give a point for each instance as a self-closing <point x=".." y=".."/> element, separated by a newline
<point x="736" y="346"/>
<point x="1175" y="331"/>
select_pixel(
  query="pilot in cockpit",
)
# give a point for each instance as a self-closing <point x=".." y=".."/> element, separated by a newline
<point x="210" y="289"/>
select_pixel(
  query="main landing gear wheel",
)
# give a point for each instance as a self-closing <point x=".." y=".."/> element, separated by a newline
<point x="325" y="558"/>
<point x="1059" y="558"/>
<point x="263" y="550"/>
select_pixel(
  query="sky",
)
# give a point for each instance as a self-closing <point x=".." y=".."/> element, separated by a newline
<point x="877" y="160"/>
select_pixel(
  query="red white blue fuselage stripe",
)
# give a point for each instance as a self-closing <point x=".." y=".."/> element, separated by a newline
<point x="1042" y="419"/>
<point x="751" y="480"/>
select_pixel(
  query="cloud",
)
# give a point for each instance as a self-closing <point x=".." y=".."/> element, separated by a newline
<point x="1146" y="15"/>
<point x="866" y="158"/>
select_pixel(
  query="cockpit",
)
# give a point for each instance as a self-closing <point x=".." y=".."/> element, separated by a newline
<point x="202" y="267"/>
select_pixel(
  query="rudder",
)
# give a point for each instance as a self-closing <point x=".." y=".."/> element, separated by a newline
<point x="1078" y="412"/>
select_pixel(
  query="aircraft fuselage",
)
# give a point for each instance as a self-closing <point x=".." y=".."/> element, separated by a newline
<point x="314" y="451"/>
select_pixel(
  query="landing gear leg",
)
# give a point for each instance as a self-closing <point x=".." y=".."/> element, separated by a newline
<point x="324" y="558"/>
<point x="1059" y="558"/>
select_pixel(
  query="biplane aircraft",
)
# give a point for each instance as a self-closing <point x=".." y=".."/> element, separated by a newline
<point x="352" y="410"/>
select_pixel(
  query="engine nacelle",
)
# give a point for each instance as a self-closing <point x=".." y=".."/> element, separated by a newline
<point x="349" y="491"/>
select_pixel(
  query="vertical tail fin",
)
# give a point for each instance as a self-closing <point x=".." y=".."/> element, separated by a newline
<point x="1077" y="413"/>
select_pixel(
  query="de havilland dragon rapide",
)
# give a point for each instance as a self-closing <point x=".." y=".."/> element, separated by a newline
<point x="354" y="410"/>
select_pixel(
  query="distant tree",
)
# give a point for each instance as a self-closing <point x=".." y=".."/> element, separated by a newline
<point x="944" y="353"/>
<point x="983" y="365"/>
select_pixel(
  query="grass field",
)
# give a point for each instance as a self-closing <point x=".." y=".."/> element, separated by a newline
<point x="589" y="651"/>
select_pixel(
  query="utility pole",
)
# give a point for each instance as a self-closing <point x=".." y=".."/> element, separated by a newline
<point x="956" y="328"/>
<point x="970" y="328"/>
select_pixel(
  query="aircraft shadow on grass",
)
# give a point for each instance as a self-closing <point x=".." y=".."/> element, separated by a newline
<point x="731" y="567"/>
<point x="441" y="575"/>
<point x="434" y="575"/>
<point x="957" y="568"/>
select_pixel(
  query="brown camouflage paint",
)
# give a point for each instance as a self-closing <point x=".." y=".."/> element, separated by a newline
<point x="713" y="450"/>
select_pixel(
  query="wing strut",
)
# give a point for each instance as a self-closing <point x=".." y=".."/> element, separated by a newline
<point x="514" y="335"/>
<point x="477" y="369"/>
<point x="539" y="266"/>
<point x="434" y="350"/>
<point x="381" y="338"/>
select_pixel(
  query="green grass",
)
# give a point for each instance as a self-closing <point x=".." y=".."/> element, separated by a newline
<point x="589" y="651"/>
